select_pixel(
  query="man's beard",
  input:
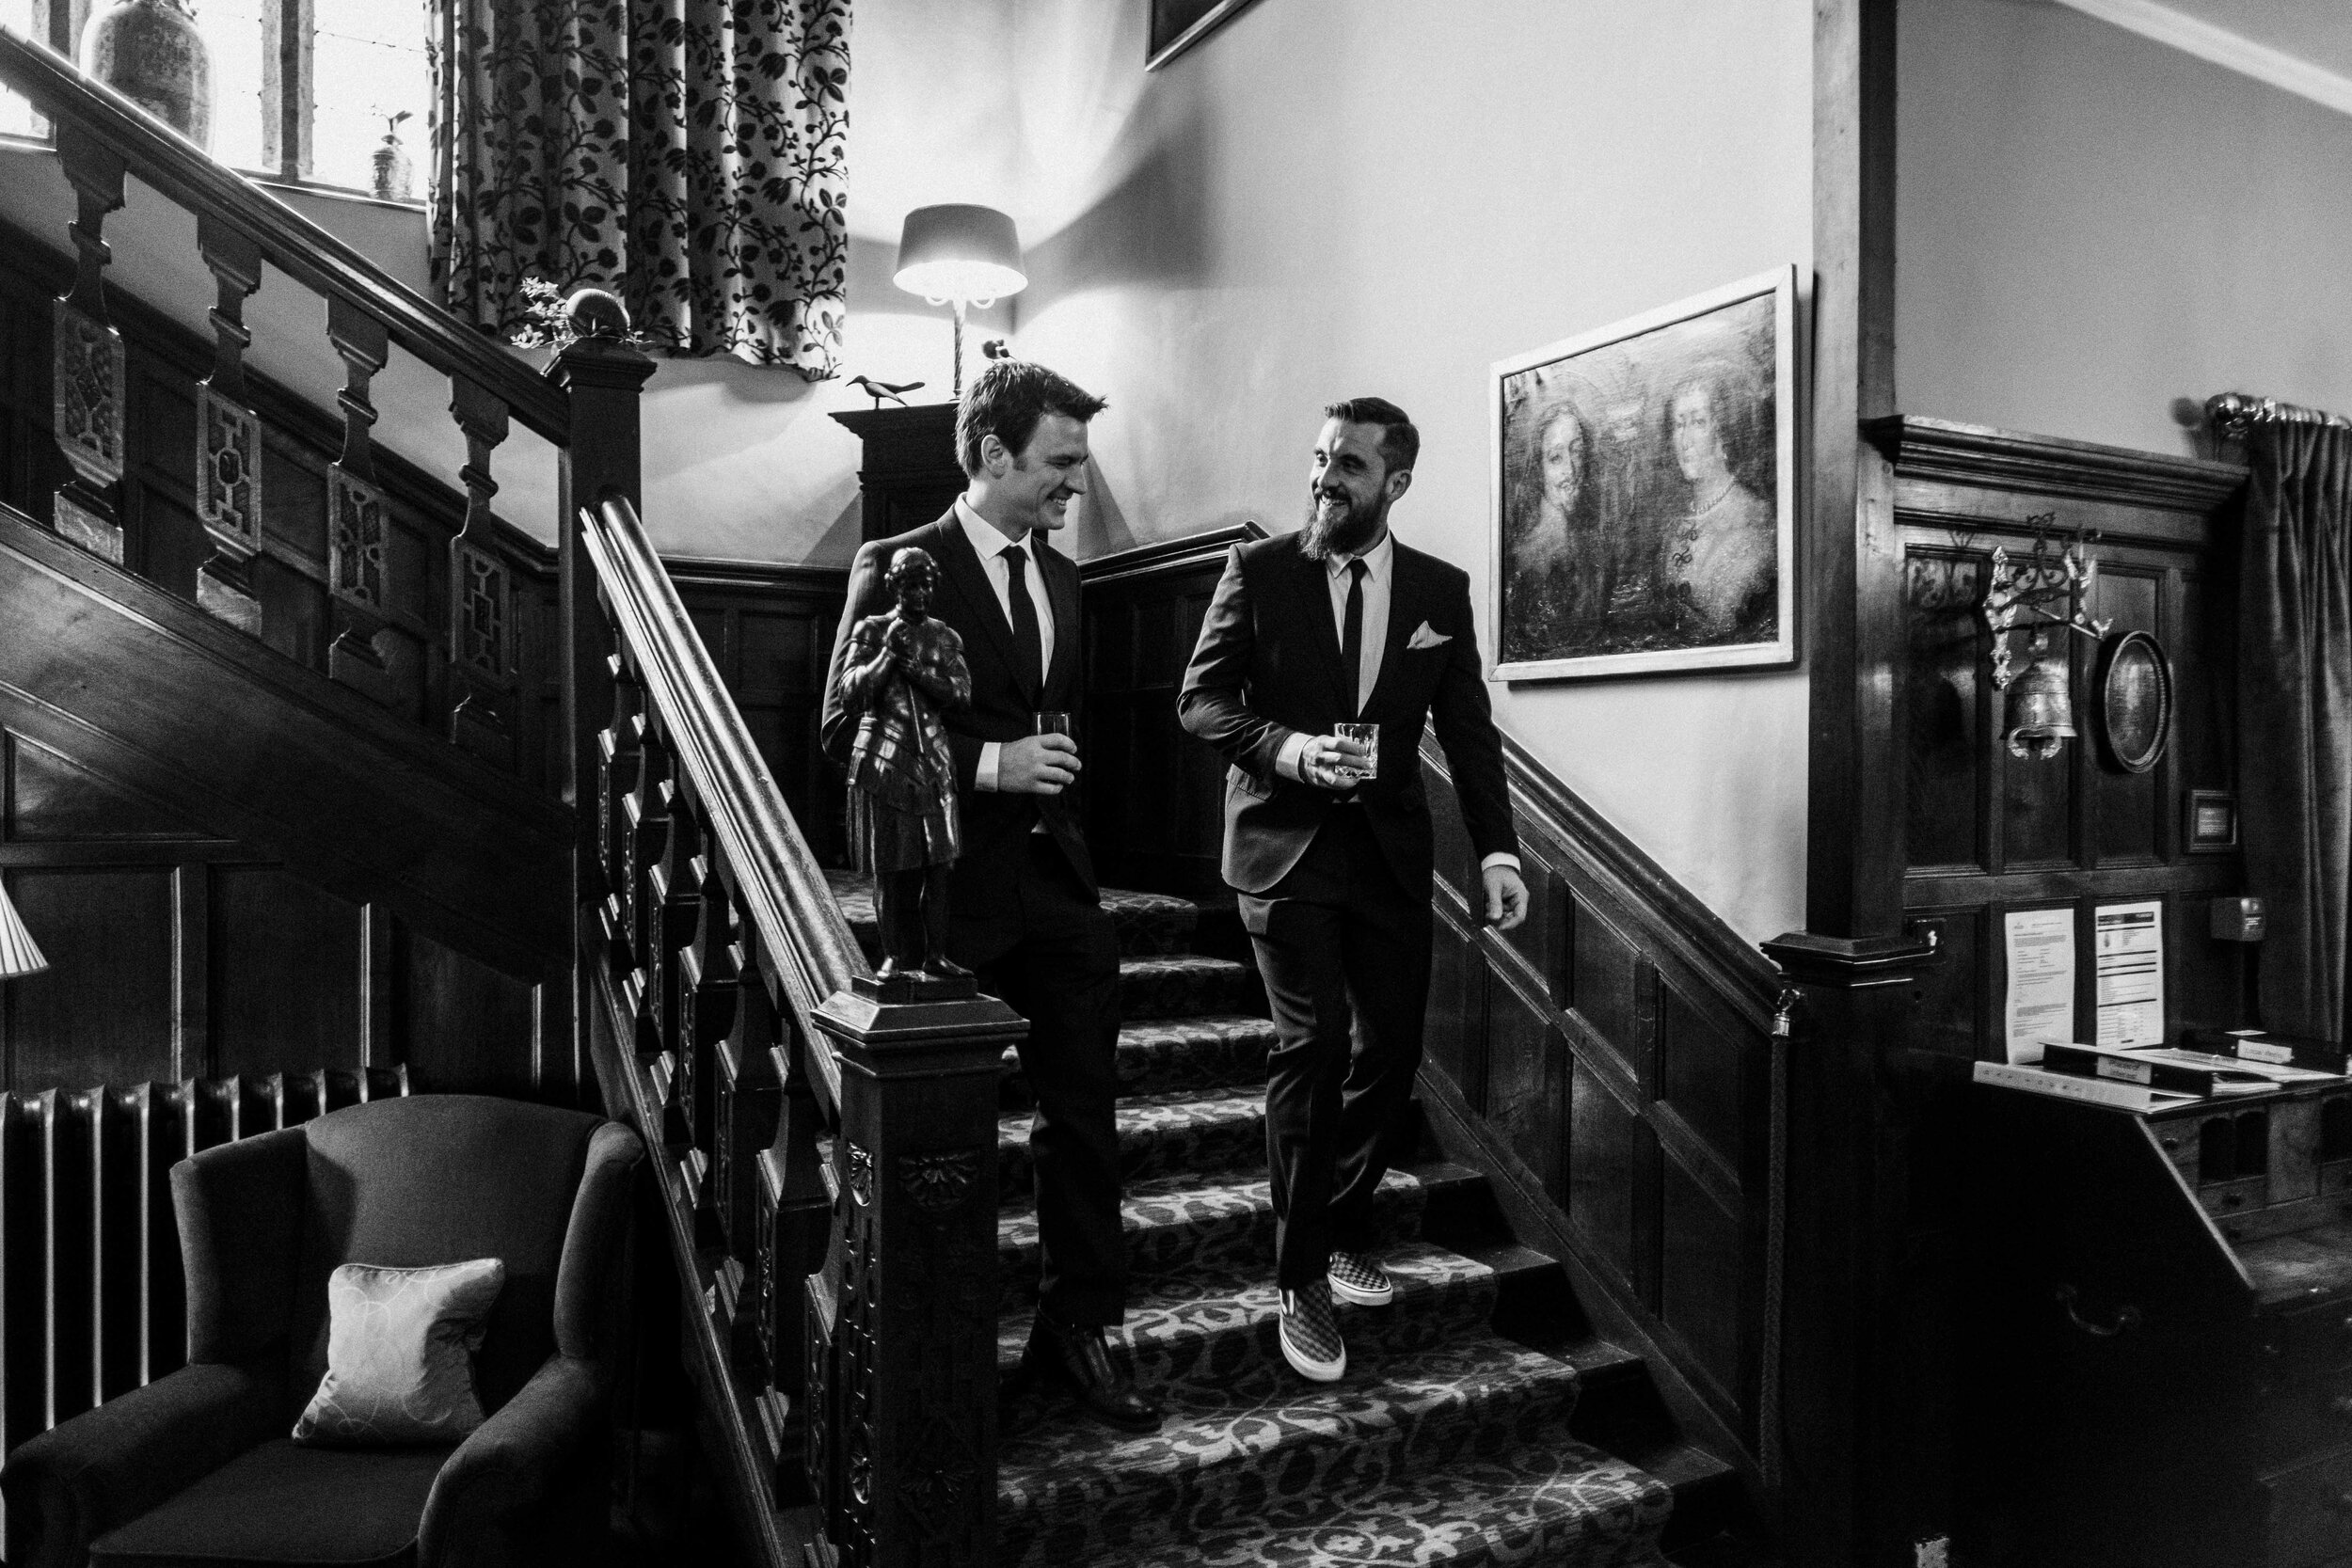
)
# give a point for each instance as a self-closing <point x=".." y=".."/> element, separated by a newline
<point x="1349" y="534"/>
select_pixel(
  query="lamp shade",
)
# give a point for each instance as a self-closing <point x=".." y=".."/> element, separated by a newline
<point x="960" y="252"/>
<point x="17" y="956"/>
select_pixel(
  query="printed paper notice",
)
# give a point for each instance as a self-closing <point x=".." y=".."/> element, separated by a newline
<point x="2130" y="972"/>
<point x="2040" y="947"/>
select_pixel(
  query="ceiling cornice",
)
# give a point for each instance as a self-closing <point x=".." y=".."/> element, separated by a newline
<point x="2230" y="51"/>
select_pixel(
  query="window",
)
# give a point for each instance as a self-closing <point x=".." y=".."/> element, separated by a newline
<point x="302" y="89"/>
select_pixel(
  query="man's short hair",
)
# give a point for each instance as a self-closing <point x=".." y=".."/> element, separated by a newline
<point x="1007" y="399"/>
<point x="1400" y="443"/>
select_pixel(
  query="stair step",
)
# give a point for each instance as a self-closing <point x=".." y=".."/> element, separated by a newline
<point x="1184" y="986"/>
<point x="1553" y="1501"/>
<point x="1211" y="1323"/>
<point x="1233" y="1448"/>
<point x="1158" y="1136"/>
<point x="1162" y="1055"/>
<point x="1178" y="1223"/>
<point x="1147" y="923"/>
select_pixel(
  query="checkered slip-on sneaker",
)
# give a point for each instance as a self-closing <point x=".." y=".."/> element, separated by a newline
<point x="1358" y="1277"/>
<point x="1311" y="1335"/>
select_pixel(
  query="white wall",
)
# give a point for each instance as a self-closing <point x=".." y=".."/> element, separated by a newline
<point x="1327" y="198"/>
<point x="2096" y="232"/>
<point x="1340" y="197"/>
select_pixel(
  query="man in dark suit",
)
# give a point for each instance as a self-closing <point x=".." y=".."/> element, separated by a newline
<point x="1025" y="912"/>
<point x="1327" y="841"/>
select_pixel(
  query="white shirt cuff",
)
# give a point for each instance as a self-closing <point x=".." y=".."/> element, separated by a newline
<point x="1286" y="760"/>
<point x="984" y="773"/>
<point x="1500" y="857"/>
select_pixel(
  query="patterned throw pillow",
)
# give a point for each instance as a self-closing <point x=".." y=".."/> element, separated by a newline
<point x="400" y="1345"/>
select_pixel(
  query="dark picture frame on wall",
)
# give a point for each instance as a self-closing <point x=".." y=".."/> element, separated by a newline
<point x="1644" y="492"/>
<point x="1178" y="24"/>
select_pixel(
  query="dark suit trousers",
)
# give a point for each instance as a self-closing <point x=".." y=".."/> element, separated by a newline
<point x="1345" y="953"/>
<point x="1062" y="975"/>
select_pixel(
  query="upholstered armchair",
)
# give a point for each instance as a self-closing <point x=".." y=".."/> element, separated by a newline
<point x="198" y="1467"/>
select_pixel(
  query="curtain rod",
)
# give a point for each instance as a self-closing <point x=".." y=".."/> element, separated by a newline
<point x="2233" y="413"/>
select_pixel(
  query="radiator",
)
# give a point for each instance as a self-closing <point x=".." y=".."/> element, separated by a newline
<point x="91" y="1299"/>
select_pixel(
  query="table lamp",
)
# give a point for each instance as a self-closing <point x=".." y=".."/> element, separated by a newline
<point x="17" y="956"/>
<point x="961" y="256"/>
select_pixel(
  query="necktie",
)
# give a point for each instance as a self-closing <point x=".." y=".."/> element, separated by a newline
<point x="1027" y="641"/>
<point x="1352" y="635"/>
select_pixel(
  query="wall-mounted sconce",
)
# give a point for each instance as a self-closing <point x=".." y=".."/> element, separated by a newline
<point x="17" y="956"/>
<point x="2020" y="595"/>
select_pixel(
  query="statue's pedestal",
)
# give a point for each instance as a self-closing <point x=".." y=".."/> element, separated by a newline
<point x="915" y="988"/>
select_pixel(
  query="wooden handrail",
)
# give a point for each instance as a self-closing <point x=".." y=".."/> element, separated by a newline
<point x="175" y="167"/>
<point x="785" y="897"/>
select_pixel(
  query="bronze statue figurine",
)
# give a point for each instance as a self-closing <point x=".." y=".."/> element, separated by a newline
<point x="902" y="670"/>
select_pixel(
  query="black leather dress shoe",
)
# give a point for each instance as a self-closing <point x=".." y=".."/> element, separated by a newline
<point x="1078" y="1360"/>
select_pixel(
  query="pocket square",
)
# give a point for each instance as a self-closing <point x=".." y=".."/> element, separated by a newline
<point x="1424" y="638"/>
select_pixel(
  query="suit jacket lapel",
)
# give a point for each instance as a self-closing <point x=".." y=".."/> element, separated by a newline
<point x="961" y="564"/>
<point x="1061" y="590"/>
<point x="1404" y="615"/>
<point x="1311" y="581"/>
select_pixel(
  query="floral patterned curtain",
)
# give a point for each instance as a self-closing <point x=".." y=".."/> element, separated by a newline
<point x="687" y="154"/>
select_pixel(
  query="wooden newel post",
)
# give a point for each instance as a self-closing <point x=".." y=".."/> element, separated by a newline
<point x="602" y="374"/>
<point x="904" y="1313"/>
<point x="1847" y="1376"/>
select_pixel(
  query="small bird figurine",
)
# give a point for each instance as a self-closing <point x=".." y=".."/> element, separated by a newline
<point x="881" y="389"/>
<point x="996" y="348"/>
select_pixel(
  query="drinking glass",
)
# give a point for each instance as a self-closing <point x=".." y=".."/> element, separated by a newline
<point x="1049" y="722"/>
<point x="1368" y="736"/>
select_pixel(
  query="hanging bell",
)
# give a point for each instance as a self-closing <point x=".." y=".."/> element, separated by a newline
<point x="2041" y="707"/>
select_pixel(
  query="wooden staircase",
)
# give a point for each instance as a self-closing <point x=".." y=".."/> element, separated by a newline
<point x="1481" y="1422"/>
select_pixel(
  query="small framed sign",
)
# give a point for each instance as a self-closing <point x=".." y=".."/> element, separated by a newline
<point x="2210" y="822"/>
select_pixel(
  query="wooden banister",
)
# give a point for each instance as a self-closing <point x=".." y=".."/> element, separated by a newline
<point x="174" y="165"/>
<point x="782" y="891"/>
<point x="827" y="1143"/>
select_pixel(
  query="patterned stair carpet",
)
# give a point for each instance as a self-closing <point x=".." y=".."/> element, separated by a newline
<point x="1446" y="1442"/>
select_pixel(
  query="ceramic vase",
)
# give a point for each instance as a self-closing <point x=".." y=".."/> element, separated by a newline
<point x="150" y="51"/>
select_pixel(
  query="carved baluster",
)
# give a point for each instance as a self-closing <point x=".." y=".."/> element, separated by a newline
<point x="87" y="370"/>
<point x="672" y="900"/>
<point x="228" y="434"/>
<point x="645" y="827"/>
<point x="360" y="518"/>
<point x="618" y="756"/>
<point x="797" y="1270"/>
<point x="746" y="1096"/>
<point x="480" y="593"/>
<point x="706" y="1004"/>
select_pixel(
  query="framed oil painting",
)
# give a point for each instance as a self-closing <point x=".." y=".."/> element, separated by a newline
<point x="1644" y="492"/>
<point x="1178" y="24"/>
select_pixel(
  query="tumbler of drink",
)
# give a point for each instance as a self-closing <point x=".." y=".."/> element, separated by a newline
<point x="1368" y="736"/>
<point x="1049" y="722"/>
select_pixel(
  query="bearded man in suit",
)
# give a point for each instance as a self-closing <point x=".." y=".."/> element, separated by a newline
<point x="1025" y="912"/>
<point x="1340" y="623"/>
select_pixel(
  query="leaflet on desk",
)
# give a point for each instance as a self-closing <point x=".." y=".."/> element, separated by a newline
<point x="2178" y="1071"/>
<point x="2072" y="1086"/>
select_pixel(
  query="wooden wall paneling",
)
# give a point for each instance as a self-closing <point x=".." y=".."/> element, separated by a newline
<point x="288" y="960"/>
<point x="192" y="971"/>
<point x="1526" y="1081"/>
<point x="469" y="1026"/>
<point x="1622" y="1104"/>
<point x="102" y="1011"/>
<point x="1460" y="983"/>
<point x="1155" y="811"/>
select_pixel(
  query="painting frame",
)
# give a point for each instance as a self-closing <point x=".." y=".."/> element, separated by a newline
<point x="2135" y="705"/>
<point x="1176" y="25"/>
<point x="1525" y="654"/>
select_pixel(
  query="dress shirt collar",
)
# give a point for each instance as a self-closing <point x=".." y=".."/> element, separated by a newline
<point x="988" y="540"/>
<point x="1377" y="561"/>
